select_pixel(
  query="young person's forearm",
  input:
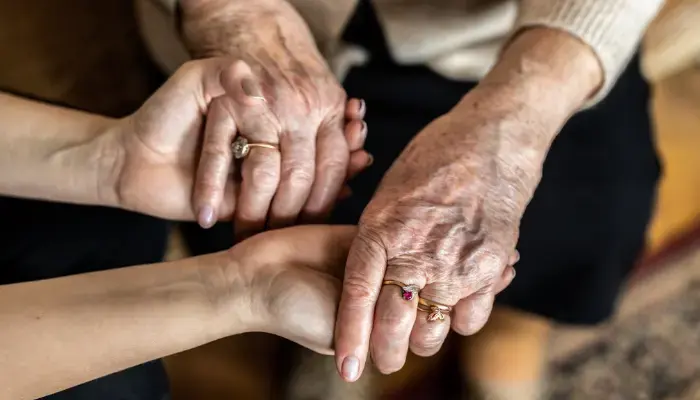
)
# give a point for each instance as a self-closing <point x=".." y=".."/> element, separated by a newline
<point x="54" y="153"/>
<point x="58" y="333"/>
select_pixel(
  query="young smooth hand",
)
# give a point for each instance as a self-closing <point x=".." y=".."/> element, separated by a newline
<point x="285" y="282"/>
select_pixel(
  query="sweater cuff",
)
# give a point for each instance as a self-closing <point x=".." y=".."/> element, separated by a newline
<point x="612" y="28"/>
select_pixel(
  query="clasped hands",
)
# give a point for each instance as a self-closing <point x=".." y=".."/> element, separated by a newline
<point x="442" y="220"/>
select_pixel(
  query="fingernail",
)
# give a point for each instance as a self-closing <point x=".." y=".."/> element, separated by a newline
<point x="206" y="217"/>
<point x="252" y="89"/>
<point x="351" y="368"/>
<point x="370" y="159"/>
<point x="361" y="108"/>
<point x="364" y="128"/>
<point x="514" y="271"/>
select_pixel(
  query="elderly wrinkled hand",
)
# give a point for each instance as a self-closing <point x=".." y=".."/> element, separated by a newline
<point x="436" y="241"/>
<point x="295" y="111"/>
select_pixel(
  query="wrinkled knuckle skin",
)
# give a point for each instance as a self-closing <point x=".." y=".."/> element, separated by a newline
<point x="470" y="328"/>
<point x="388" y="367"/>
<point x="359" y="291"/>
<point x="264" y="179"/>
<point x="205" y="188"/>
<point x="393" y="323"/>
<point x="299" y="174"/>
<point x="213" y="152"/>
<point x="369" y="236"/>
<point x="426" y="347"/>
<point x="471" y="322"/>
<point x="335" y="167"/>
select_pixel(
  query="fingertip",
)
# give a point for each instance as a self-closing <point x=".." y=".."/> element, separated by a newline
<point x="514" y="258"/>
<point x="206" y="217"/>
<point x="350" y="369"/>
<point x="359" y="160"/>
<point x="355" y="109"/>
<point x="356" y="134"/>
<point x="506" y="279"/>
<point x="472" y="313"/>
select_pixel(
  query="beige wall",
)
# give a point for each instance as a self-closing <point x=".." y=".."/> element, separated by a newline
<point x="677" y="117"/>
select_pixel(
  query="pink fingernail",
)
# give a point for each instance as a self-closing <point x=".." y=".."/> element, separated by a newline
<point x="206" y="217"/>
<point x="351" y="368"/>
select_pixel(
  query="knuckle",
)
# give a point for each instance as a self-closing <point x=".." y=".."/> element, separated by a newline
<point x="426" y="346"/>
<point x="394" y="322"/>
<point x="299" y="173"/>
<point x="388" y="367"/>
<point x="264" y="179"/>
<point x="360" y="291"/>
<point x="367" y="249"/>
<point x="470" y="326"/>
<point x="189" y="67"/>
<point x="212" y="150"/>
<point x="473" y="317"/>
<point x="334" y="165"/>
<point x="338" y="96"/>
<point x="207" y="187"/>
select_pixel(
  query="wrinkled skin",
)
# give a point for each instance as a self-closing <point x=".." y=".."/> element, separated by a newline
<point x="308" y="106"/>
<point x="445" y="218"/>
<point x="446" y="215"/>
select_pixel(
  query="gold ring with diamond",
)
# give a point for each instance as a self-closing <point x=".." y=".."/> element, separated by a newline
<point x="241" y="147"/>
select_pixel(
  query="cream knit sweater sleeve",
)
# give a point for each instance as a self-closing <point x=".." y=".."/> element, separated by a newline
<point x="613" y="28"/>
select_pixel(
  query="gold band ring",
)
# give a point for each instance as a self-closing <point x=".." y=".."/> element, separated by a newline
<point x="436" y="311"/>
<point x="408" y="292"/>
<point x="241" y="147"/>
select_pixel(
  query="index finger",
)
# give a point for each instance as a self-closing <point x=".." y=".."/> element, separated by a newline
<point x="363" y="280"/>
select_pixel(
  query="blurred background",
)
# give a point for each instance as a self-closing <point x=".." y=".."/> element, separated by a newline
<point x="89" y="55"/>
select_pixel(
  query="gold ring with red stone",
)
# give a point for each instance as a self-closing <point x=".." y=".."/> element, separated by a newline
<point x="408" y="292"/>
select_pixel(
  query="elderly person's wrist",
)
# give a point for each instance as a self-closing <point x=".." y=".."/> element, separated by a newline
<point x="543" y="77"/>
<point x="549" y="70"/>
<point x="247" y="29"/>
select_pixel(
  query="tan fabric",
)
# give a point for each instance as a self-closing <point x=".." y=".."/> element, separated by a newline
<point x="461" y="39"/>
<point x="673" y="40"/>
<point x="495" y="390"/>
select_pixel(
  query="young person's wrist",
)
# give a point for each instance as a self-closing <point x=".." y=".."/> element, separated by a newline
<point x="109" y="153"/>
